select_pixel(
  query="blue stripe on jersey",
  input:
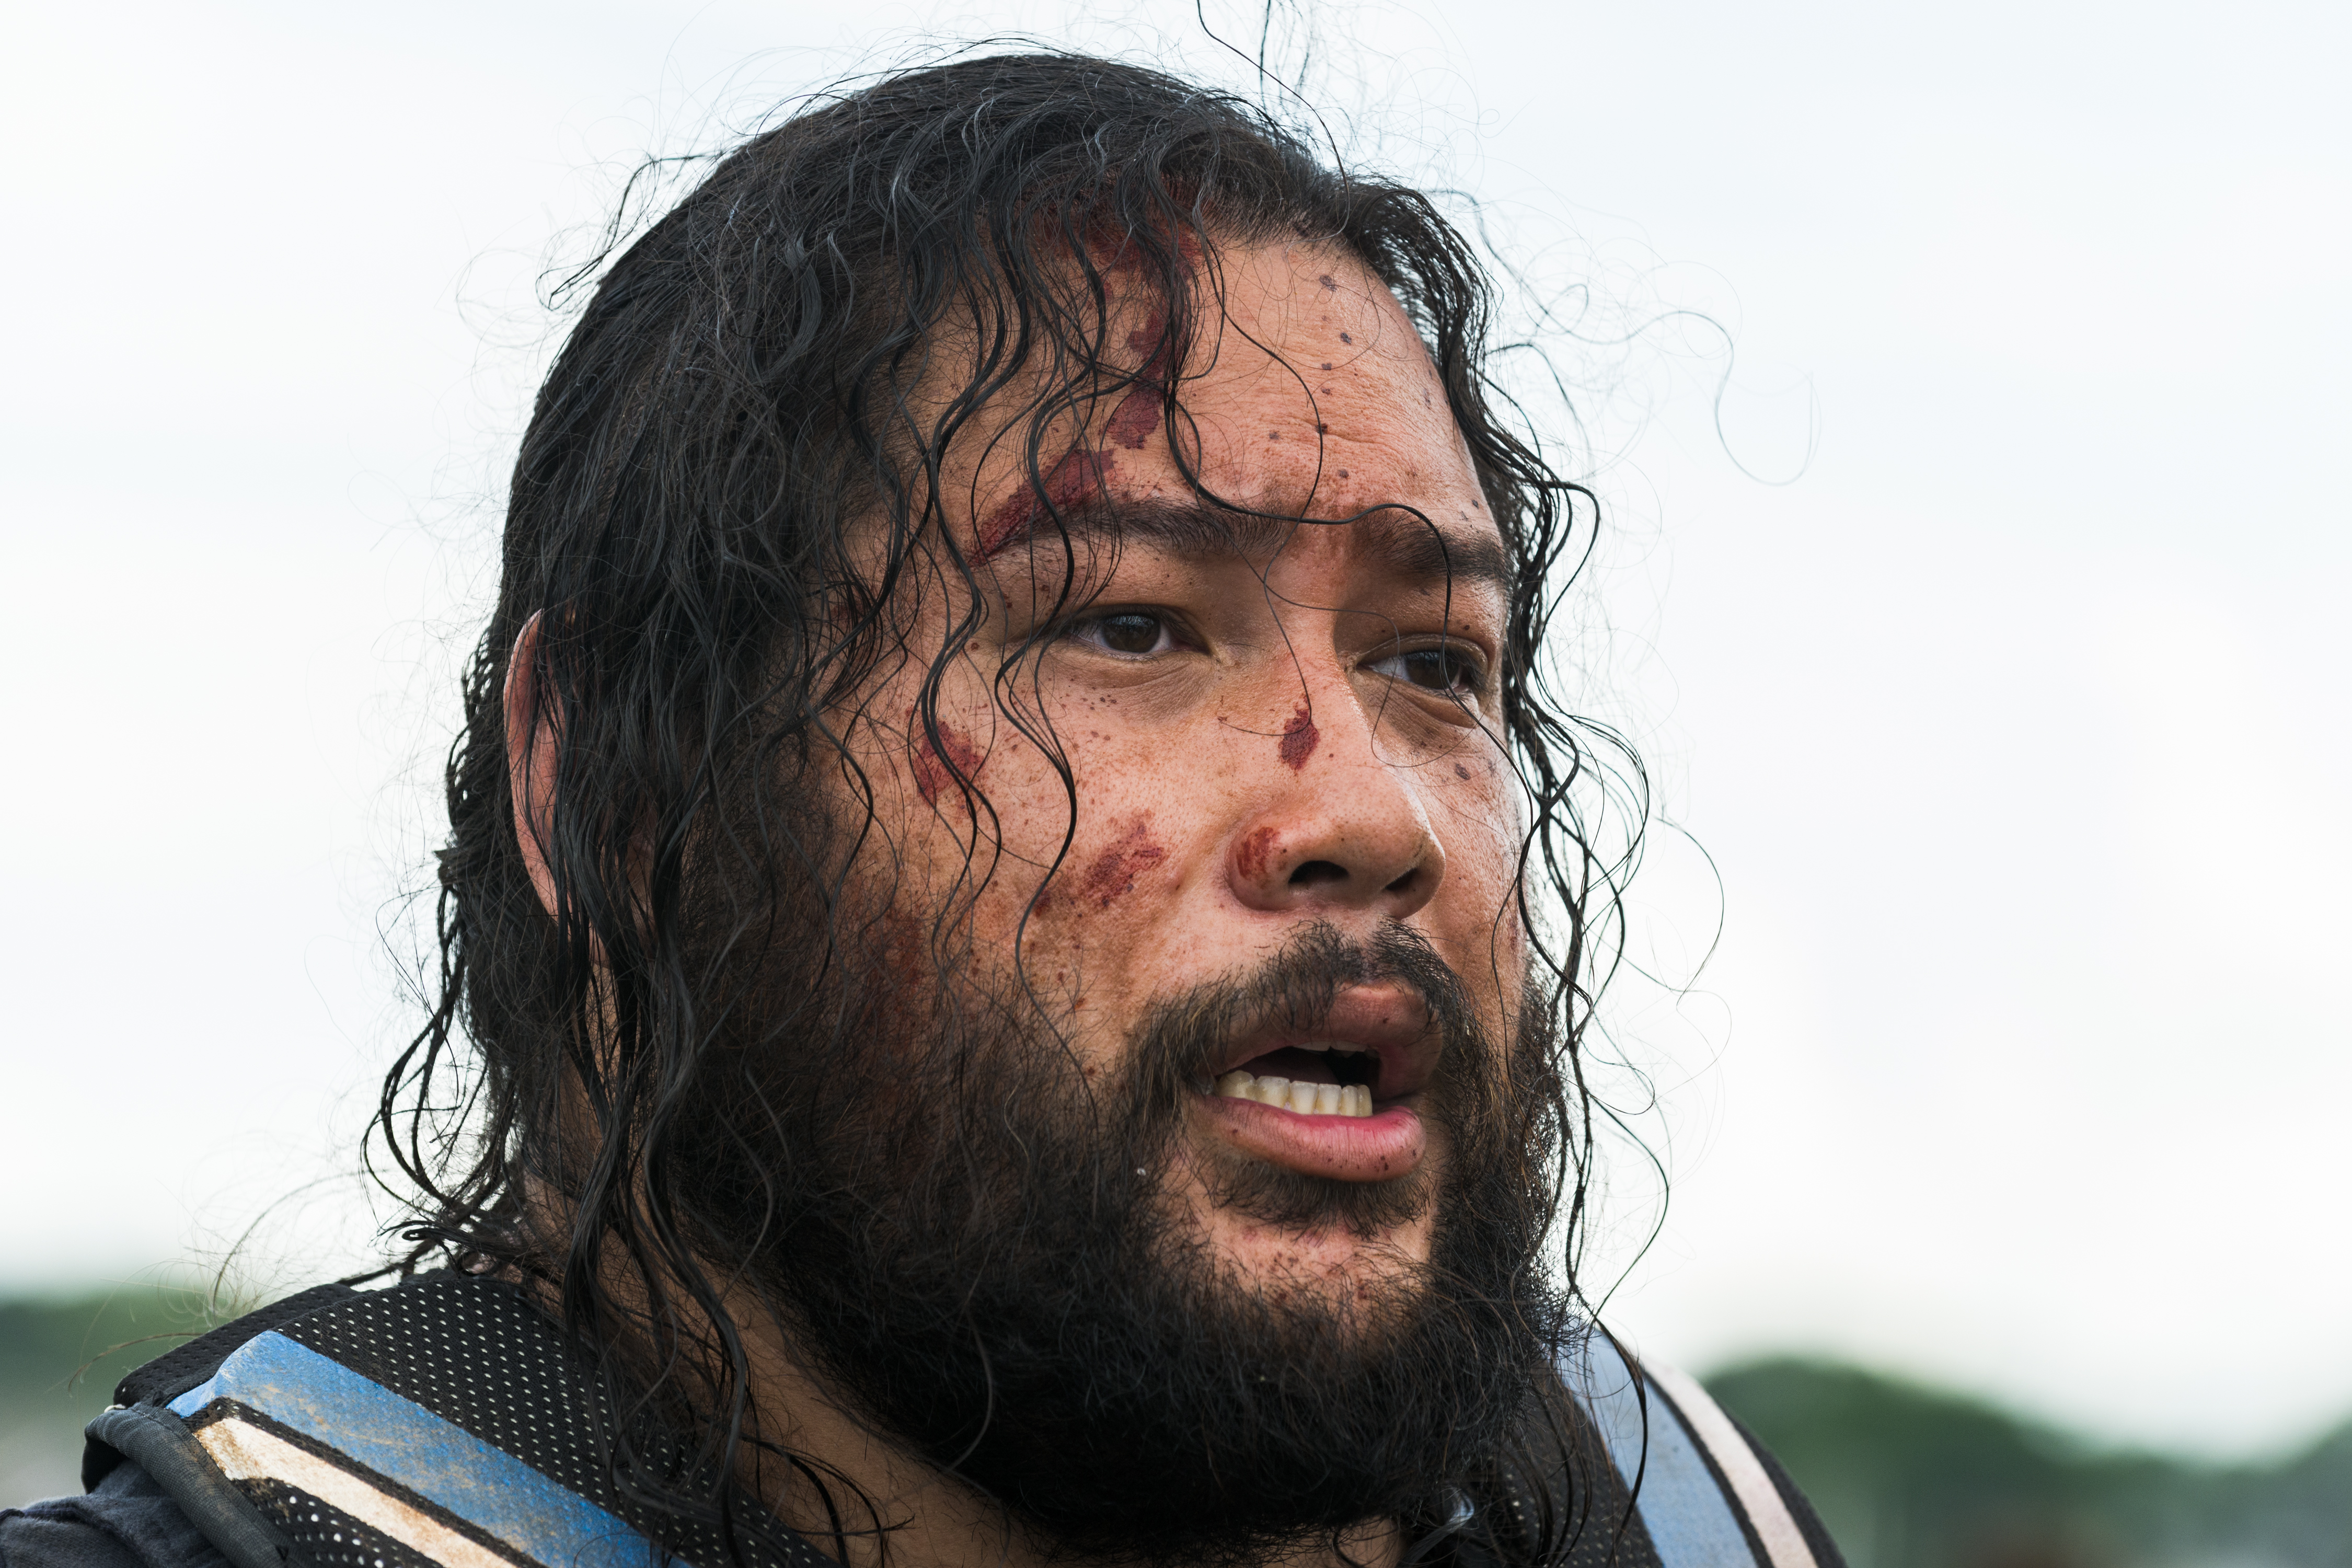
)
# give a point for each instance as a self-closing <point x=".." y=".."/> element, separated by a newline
<point x="1689" y="1520"/>
<point x="406" y="1443"/>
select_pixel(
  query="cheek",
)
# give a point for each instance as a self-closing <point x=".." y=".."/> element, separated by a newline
<point x="947" y="764"/>
<point x="1012" y="825"/>
<point x="1121" y="849"/>
<point x="1109" y="874"/>
<point x="1485" y="829"/>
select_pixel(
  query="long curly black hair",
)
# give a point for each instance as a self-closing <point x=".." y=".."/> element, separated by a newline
<point x="739" y="395"/>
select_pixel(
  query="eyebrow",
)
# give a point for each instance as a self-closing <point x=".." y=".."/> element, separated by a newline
<point x="1406" y="543"/>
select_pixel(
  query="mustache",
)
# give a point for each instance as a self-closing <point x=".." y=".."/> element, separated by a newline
<point x="996" y="1266"/>
<point x="1183" y="1039"/>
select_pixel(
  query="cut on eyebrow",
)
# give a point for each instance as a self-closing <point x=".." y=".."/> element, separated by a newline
<point x="1407" y="545"/>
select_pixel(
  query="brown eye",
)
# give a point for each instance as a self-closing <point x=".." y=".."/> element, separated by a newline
<point x="1452" y="670"/>
<point x="1134" y="633"/>
<point x="1130" y="633"/>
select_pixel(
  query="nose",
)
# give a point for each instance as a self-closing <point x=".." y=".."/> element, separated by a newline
<point x="1336" y="829"/>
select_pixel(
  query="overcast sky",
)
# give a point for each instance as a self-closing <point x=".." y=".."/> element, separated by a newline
<point x="2014" y="723"/>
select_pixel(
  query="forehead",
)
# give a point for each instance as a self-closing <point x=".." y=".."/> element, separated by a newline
<point x="1313" y="394"/>
<point x="1306" y="394"/>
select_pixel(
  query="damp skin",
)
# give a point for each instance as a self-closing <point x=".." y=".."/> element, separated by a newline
<point x="1084" y="474"/>
<point x="930" y="765"/>
<point x="1266" y="764"/>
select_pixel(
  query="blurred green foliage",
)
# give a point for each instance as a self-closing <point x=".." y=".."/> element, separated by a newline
<point x="1907" y="1477"/>
<point x="59" y="1361"/>
<point x="1904" y="1477"/>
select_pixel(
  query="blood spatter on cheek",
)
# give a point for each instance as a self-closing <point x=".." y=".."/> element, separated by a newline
<point x="1113" y="874"/>
<point x="1299" y="737"/>
<point x="932" y="771"/>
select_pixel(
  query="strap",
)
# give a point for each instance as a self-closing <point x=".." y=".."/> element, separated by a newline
<point x="1784" y="1543"/>
<point x="281" y="1414"/>
<point x="152" y="1438"/>
<point x="185" y="1366"/>
<point x="177" y="1370"/>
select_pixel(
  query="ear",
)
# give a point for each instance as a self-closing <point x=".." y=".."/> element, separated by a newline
<point x="530" y="758"/>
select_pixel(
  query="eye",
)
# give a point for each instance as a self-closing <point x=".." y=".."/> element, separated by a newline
<point x="1449" y="667"/>
<point x="1132" y="634"/>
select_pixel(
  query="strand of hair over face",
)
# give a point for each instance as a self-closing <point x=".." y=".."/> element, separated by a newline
<point x="728" y="500"/>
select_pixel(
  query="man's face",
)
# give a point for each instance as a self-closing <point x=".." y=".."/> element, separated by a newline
<point x="1269" y="727"/>
<point x="1009" y="1197"/>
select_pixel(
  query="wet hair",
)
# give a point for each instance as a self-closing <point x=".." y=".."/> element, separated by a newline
<point x="728" y="494"/>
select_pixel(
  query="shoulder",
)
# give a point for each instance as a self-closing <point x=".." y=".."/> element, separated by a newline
<point x="1697" y="1490"/>
<point x="445" y="1420"/>
<point x="127" y="1522"/>
<point x="126" y="1517"/>
<point x="273" y="1434"/>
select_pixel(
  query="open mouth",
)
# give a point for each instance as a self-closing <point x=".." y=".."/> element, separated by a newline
<point x="1335" y="1096"/>
<point x="1315" y="1078"/>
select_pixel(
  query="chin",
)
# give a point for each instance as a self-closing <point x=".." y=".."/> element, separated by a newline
<point x="1356" y="1243"/>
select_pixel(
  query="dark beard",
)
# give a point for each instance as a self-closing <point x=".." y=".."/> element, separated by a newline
<point x="979" y="1253"/>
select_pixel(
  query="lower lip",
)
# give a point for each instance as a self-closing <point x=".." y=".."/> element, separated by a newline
<point x="1380" y="1147"/>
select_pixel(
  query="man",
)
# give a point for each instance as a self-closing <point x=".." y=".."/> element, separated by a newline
<point x="989" y="909"/>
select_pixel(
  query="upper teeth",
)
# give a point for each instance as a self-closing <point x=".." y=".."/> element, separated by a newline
<point x="1306" y="1099"/>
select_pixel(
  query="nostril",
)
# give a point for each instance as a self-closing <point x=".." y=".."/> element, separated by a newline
<point x="1314" y="873"/>
<point x="1407" y="883"/>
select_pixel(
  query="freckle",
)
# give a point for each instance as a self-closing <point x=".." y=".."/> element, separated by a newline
<point x="1343" y="473"/>
<point x="1321" y="430"/>
<point x="1274" y="434"/>
<point x="1460" y="771"/>
<point x="1326" y="280"/>
<point x="1345" y="339"/>
<point x="1327" y="366"/>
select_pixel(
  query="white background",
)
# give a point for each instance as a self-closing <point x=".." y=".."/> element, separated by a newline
<point x="2015" y="726"/>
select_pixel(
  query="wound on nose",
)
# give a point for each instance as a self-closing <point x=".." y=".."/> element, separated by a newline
<point x="1299" y="737"/>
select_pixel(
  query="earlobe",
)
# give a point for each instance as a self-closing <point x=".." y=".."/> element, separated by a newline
<point x="530" y="758"/>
